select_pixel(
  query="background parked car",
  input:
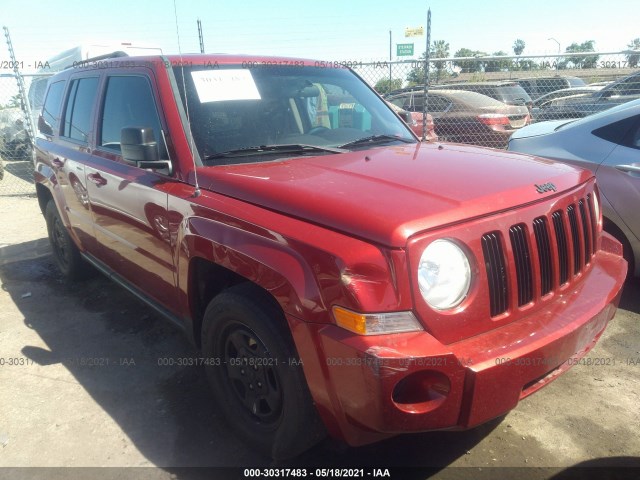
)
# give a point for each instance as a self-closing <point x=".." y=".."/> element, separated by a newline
<point x="539" y="86"/>
<point x="466" y="117"/>
<point x="508" y="92"/>
<point x="414" y="120"/>
<point x="616" y="93"/>
<point x="608" y="143"/>
<point x="541" y="103"/>
<point x="14" y="139"/>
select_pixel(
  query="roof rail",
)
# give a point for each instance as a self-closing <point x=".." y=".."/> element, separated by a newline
<point x="116" y="54"/>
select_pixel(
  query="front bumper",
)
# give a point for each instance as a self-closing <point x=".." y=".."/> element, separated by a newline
<point x="369" y="388"/>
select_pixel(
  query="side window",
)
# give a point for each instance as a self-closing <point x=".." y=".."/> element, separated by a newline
<point x="550" y="85"/>
<point x="129" y="102"/>
<point x="623" y="132"/>
<point x="77" y="116"/>
<point x="51" y="108"/>
<point x="437" y="104"/>
<point x="399" y="101"/>
<point x="527" y="85"/>
<point x="629" y="86"/>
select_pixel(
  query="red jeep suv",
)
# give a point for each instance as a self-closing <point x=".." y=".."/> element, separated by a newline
<point x="338" y="275"/>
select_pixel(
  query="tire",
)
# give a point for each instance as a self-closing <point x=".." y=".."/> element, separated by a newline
<point x="1" y="169"/>
<point x="65" y="252"/>
<point x="257" y="379"/>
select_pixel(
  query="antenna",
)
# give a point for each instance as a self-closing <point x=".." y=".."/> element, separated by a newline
<point x="196" y="192"/>
<point x="200" y="36"/>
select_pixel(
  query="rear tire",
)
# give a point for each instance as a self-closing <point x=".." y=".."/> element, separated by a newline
<point x="256" y="375"/>
<point x="65" y="252"/>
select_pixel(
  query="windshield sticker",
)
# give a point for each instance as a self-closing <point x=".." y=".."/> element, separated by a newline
<point x="221" y="85"/>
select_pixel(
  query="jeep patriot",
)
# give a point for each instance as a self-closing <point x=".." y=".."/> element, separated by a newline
<point x="338" y="275"/>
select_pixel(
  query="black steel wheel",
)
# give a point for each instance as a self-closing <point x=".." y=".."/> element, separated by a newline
<point x="255" y="373"/>
<point x="65" y="252"/>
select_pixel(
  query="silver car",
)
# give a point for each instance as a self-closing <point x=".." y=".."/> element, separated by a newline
<point x="608" y="143"/>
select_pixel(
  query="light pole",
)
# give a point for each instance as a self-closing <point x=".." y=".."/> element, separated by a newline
<point x="557" y="59"/>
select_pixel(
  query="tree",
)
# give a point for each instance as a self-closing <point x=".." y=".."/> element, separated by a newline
<point x="15" y="101"/>
<point x="386" y="85"/>
<point x="518" y="46"/>
<point x="498" y="65"/>
<point x="586" y="61"/>
<point x="439" y="49"/>
<point x="633" y="59"/>
<point x="468" y="66"/>
<point x="416" y="75"/>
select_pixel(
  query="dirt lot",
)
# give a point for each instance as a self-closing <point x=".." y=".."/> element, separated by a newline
<point x="87" y="391"/>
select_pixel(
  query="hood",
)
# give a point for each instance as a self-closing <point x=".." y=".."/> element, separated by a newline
<point x="538" y="129"/>
<point x="387" y="194"/>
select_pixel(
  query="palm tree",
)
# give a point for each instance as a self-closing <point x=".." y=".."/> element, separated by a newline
<point x="518" y="46"/>
<point x="439" y="49"/>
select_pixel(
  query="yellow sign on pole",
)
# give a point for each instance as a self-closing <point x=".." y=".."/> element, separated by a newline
<point x="413" y="32"/>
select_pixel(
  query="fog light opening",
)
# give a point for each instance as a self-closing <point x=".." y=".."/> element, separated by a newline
<point x="421" y="392"/>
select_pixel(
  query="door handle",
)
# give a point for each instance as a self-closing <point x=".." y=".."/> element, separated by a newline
<point x="57" y="162"/>
<point x="97" y="179"/>
<point x="628" y="168"/>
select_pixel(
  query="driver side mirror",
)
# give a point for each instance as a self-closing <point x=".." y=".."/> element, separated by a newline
<point x="139" y="147"/>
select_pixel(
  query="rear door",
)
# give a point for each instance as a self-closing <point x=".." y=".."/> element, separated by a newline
<point x="619" y="177"/>
<point x="70" y="154"/>
<point x="129" y="204"/>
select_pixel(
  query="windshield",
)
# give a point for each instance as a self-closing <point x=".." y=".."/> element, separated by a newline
<point x="233" y="108"/>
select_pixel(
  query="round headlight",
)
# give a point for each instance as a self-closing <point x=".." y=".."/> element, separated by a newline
<point x="444" y="275"/>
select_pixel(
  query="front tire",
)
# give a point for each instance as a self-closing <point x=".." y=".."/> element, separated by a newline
<point x="65" y="252"/>
<point x="256" y="375"/>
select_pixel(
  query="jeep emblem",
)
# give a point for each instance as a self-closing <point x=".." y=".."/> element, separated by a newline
<point x="545" y="187"/>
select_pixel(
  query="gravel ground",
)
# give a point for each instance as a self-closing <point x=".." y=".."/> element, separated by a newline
<point x="88" y="391"/>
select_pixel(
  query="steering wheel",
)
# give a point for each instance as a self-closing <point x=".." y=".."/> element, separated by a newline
<point x="317" y="130"/>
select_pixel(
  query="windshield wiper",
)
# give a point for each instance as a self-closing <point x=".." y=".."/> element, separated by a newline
<point x="376" y="139"/>
<point x="293" y="148"/>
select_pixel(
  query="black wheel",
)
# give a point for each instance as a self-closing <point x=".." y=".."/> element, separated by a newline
<point x="65" y="252"/>
<point x="256" y="374"/>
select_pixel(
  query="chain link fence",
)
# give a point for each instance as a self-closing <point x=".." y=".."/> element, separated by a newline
<point x="483" y="100"/>
<point x="16" y="167"/>
<point x="473" y="100"/>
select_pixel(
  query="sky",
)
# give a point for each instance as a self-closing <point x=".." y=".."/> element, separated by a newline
<point x="331" y="30"/>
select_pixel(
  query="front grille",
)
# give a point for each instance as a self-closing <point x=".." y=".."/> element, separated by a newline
<point x="520" y="247"/>
<point x="496" y="272"/>
<point x="561" y="244"/>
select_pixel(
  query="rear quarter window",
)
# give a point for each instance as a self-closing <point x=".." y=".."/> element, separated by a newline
<point x="51" y="108"/>
<point x="621" y="132"/>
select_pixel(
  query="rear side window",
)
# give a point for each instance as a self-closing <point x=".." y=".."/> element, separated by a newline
<point x="527" y="85"/>
<point x="622" y="132"/>
<point x="51" y="108"/>
<point x="436" y="104"/>
<point x="513" y="94"/>
<point x="77" y="117"/>
<point x="129" y="102"/>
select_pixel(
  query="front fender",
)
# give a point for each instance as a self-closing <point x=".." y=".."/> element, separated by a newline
<point x="268" y="262"/>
